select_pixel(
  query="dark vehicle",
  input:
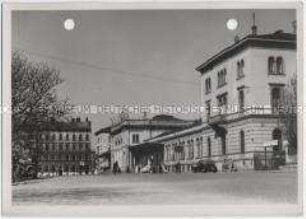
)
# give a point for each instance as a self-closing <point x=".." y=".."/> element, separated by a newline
<point x="204" y="166"/>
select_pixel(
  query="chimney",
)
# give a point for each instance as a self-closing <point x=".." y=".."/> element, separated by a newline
<point x="254" y="27"/>
<point x="294" y="26"/>
<point x="236" y="39"/>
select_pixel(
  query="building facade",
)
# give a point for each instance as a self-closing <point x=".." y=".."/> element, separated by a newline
<point x="127" y="140"/>
<point x="102" y="148"/>
<point x="242" y="90"/>
<point x="64" y="148"/>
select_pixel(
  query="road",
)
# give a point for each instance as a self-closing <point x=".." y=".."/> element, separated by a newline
<point x="185" y="188"/>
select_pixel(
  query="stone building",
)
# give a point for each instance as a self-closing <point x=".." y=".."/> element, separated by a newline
<point x="128" y="136"/>
<point x="101" y="145"/>
<point x="242" y="89"/>
<point x="64" y="148"/>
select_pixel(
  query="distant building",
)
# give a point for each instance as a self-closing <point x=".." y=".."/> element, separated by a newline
<point x="64" y="148"/>
<point x="102" y="146"/>
<point x="127" y="138"/>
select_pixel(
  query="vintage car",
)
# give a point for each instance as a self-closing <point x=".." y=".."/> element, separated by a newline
<point x="204" y="166"/>
<point x="146" y="169"/>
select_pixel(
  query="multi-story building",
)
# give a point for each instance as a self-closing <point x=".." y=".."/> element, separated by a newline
<point x="128" y="136"/>
<point x="64" y="148"/>
<point x="242" y="88"/>
<point x="102" y="149"/>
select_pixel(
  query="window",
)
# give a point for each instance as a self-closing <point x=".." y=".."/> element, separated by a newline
<point x="47" y="147"/>
<point x="277" y="135"/>
<point x="87" y="146"/>
<point x="207" y="108"/>
<point x="222" y="78"/>
<point x="53" y="137"/>
<point x="276" y="98"/>
<point x="73" y="137"/>
<point x="209" y="146"/>
<point x="53" y="147"/>
<point x="276" y="66"/>
<point x="87" y="137"/>
<point x="222" y="103"/>
<point x="60" y="147"/>
<point x="67" y="157"/>
<point x="135" y="138"/>
<point x="80" y="147"/>
<point x="240" y="69"/>
<point x="241" y="99"/>
<point x="74" y="146"/>
<point x="271" y="65"/>
<point x="198" y="143"/>
<point x="223" y="143"/>
<point x="80" y="137"/>
<point x="207" y="85"/>
<point x="67" y="146"/>
<point x="67" y="137"/>
<point x="279" y="66"/>
<point x="242" y="141"/>
<point x="47" y="137"/>
<point x="60" y="136"/>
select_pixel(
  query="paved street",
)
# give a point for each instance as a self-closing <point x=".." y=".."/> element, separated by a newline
<point x="185" y="188"/>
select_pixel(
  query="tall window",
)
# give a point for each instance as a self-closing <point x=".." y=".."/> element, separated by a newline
<point x="223" y="143"/>
<point x="222" y="77"/>
<point x="80" y="137"/>
<point x="222" y="103"/>
<point x="279" y="66"/>
<point x="242" y="141"/>
<point x="135" y="138"/>
<point x="276" y="98"/>
<point x="73" y="137"/>
<point x="207" y="85"/>
<point x="53" y="137"/>
<point x="60" y="136"/>
<point x="198" y="143"/>
<point x="209" y="146"/>
<point x="271" y="65"/>
<point x="241" y="99"/>
<point x="87" y="137"/>
<point x="277" y="135"/>
<point x="240" y="69"/>
<point x="207" y="108"/>
<point x="67" y="137"/>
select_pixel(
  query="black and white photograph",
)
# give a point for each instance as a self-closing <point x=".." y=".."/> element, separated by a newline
<point x="152" y="107"/>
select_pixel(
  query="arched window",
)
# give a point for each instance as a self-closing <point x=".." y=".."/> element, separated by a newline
<point x="241" y="100"/>
<point x="242" y="141"/>
<point x="209" y="146"/>
<point x="271" y="65"/>
<point x="238" y="69"/>
<point x="279" y="66"/>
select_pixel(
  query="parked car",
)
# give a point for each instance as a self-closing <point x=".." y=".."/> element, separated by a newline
<point x="146" y="169"/>
<point x="204" y="166"/>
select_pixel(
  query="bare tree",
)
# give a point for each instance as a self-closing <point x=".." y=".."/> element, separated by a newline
<point x="34" y="101"/>
<point x="290" y="113"/>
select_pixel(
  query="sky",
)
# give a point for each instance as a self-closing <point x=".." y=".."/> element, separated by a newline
<point x="132" y="57"/>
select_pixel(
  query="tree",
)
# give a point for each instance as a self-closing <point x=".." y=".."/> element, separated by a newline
<point x="34" y="101"/>
<point x="290" y="113"/>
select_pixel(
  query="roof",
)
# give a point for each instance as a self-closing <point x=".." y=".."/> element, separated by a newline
<point x="277" y="39"/>
<point x="165" y="121"/>
<point x="67" y="126"/>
